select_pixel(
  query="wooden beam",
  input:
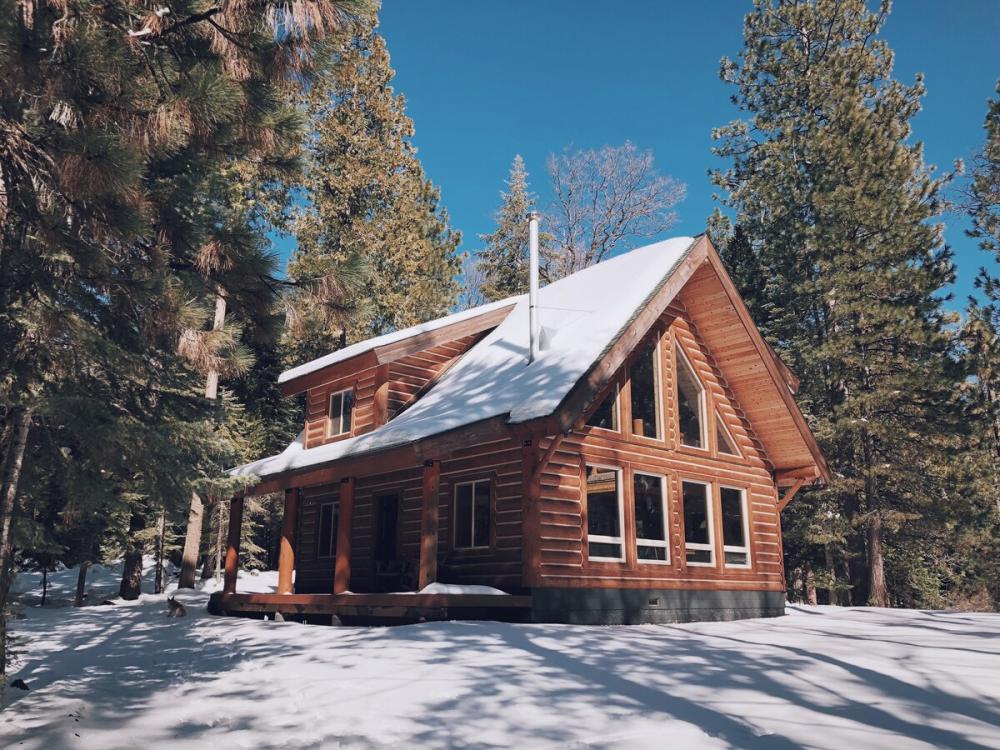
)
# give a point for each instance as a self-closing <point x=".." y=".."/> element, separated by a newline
<point x="429" y="524"/>
<point x="380" y="406"/>
<point x="233" y="544"/>
<point x="286" y="551"/>
<point x="428" y="339"/>
<point x="788" y="477"/>
<point x="342" y="568"/>
<point x="789" y="494"/>
<point x="539" y="468"/>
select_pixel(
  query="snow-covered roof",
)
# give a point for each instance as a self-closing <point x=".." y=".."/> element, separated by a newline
<point x="582" y="315"/>
<point x="390" y="338"/>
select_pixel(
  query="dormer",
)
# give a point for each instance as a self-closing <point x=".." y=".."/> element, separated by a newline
<point x="356" y="389"/>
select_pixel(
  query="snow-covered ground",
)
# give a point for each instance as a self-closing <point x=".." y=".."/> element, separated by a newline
<point x="126" y="676"/>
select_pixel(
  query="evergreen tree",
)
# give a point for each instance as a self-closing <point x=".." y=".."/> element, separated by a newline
<point x="373" y="228"/>
<point x="838" y="209"/>
<point x="504" y="260"/>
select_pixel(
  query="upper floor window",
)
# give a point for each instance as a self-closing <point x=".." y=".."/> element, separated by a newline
<point x="606" y="415"/>
<point x="650" y="494"/>
<point x="735" y="532"/>
<point x="472" y="514"/>
<point x="690" y="403"/>
<point x="723" y="439"/>
<point x="605" y="539"/>
<point x="645" y="389"/>
<point x="339" y="414"/>
<point x="698" y="533"/>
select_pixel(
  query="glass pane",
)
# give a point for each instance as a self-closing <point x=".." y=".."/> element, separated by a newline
<point x="348" y="410"/>
<point x="463" y="515"/>
<point x="481" y="516"/>
<point x="604" y="549"/>
<point x="606" y="415"/>
<point x="689" y="399"/>
<point x="736" y="558"/>
<point x="336" y="409"/>
<point x="602" y="502"/>
<point x="652" y="553"/>
<point x="699" y="556"/>
<point x="732" y="518"/>
<point x="649" y="507"/>
<point x="723" y="440"/>
<point x="644" y="395"/>
<point x="696" y="529"/>
<point x="327" y="531"/>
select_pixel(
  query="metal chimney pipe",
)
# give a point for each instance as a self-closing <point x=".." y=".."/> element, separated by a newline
<point x="534" y="327"/>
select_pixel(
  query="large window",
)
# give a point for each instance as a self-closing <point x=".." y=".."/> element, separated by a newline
<point x="645" y="388"/>
<point x="690" y="403"/>
<point x="735" y="533"/>
<point x="723" y="439"/>
<point x="472" y="514"/>
<point x="341" y="407"/>
<point x="604" y="514"/>
<point x="606" y="416"/>
<point x="650" y="491"/>
<point x="698" y="536"/>
<point x="326" y="530"/>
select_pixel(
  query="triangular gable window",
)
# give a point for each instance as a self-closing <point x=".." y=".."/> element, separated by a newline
<point x="723" y="439"/>
<point x="690" y="403"/>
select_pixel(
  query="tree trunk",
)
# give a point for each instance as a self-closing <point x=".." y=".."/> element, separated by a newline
<point x="192" y="542"/>
<point x="158" y="584"/>
<point x="811" y="599"/>
<point x="878" y="594"/>
<point x="45" y="583"/>
<point x="196" y="512"/>
<point x="131" y="585"/>
<point x="81" y="584"/>
<point x="218" y="543"/>
<point x="831" y="571"/>
<point x="845" y="570"/>
<point x="20" y="421"/>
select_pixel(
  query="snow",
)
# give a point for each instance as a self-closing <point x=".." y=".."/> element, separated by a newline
<point x="582" y="315"/>
<point x="368" y="344"/>
<point x="128" y="676"/>
<point x="457" y="588"/>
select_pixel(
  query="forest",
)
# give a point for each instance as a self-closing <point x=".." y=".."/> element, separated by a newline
<point x="151" y="153"/>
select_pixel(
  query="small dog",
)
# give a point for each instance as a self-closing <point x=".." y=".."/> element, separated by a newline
<point x="176" y="609"/>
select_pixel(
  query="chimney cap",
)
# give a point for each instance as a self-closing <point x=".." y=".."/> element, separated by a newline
<point x="533" y="215"/>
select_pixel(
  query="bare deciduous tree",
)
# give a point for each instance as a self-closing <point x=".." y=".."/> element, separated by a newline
<point x="473" y="279"/>
<point x="603" y="198"/>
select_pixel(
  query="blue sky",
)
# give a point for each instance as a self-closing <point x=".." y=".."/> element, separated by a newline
<point x="486" y="80"/>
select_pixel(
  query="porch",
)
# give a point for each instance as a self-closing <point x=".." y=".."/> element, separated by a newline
<point x="374" y="608"/>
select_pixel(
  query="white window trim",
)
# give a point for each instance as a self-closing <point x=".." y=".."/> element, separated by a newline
<point x="702" y="401"/>
<point x="616" y="408"/>
<point x="599" y="538"/>
<point x="710" y="508"/>
<point x="725" y="428"/>
<point x="332" y="551"/>
<point x="329" y="414"/>
<point x="657" y="396"/>
<point x="665" y="543"/>
<point x="472" y="515"/>
<point x="746" y="529"/>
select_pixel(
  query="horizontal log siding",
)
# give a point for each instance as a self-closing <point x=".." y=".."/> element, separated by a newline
<point x="318" y="404"/>
<point x="410" y="376"/>
<point x="562" y="532"/>
<point x="313" y="574"/>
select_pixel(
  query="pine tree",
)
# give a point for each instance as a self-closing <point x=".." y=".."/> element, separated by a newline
<point x="504" y="260"/>
<point x="373" y="228"/>
<point x="838" y="207"/>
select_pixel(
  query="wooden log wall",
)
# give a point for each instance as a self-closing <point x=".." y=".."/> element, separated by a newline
<point x="410" y="376"/>
<point x="562" y="541"/>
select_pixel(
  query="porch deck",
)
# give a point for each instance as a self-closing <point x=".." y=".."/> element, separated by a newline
<point x="400" y="607"/>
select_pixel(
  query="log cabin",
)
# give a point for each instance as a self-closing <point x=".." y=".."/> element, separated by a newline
<point x="615" y="447"/>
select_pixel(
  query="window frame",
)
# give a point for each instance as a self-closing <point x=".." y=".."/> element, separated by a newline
<point x="488" y="481"/>
<point x="601" y="539"/>
<point x="616" y="390"/>
<point x="681" y="355"/>
<point x="720" y="422"/>
<point x="710" y="510"/>
<point x="664" y="499"/>
<point x="745" y="508"/>
<point x="329" y="414"/>
<point x="657" y="355"/>
<point x="330" y="553"/>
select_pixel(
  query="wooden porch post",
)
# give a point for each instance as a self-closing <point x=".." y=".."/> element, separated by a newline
<point x="342" y="568"/>
<point x="429" y="524"/>
<point x="233" y="544"/>
<point x="286" y="551"/>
